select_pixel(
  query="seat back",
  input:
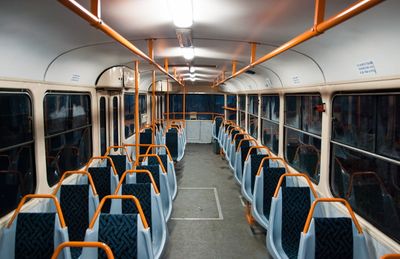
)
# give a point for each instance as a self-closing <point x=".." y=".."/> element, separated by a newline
<point x="218" y="122"/>
<point x="271" y="179"/>
<point x="171" y="141"/>
<point x="120" y="162"/>
<point x="155" y="172"/>
<point x="255" y="163"/>
<point x="145" y="138"/>
<point x="142" y="191"/>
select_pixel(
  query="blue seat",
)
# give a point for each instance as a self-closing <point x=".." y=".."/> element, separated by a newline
<point x="332" y="237"/>
<point x="161" y="181"/>
<point x="35" y="234"/>
<point x="234" y="146"/>
<point x="288" y="214"/>
<point x="264" y="187"/>
<point x="150" y="200"/>
<point x="122" y="160"/>
<point x="78" y="201"/>
<point x="128" y="235"/>
<point x="241" y="154"/>
<point x="168" y="164"/>
<point x="230" y="143"/>
<point x="105" y="178"/>
<point x="250" y="169"/>
<point x="146" y="137"/>
<point x="171" y="141"/>
<point x="216" y="126"/>
<point x="226" y="139"/>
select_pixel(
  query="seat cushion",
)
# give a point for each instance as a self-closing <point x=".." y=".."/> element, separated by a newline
<point x="142" y="191"/>
<point x="34" y="236"/>
<point x="102" y="181"/>
<point x="295" y="208"/>
<point x="119" y="232"/>
<point x="119" y="162"/>
<point x="333" y="238"/>
<point x="271" y="179"/>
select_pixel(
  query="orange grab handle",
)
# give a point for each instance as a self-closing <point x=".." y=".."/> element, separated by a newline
<point x="391" y="256"/>
<point x="222" y="117"/>
<point x="138" y="171"/>
<point x="272" y="158"/>
<point x="119" y="147"/>
<point x="102" y="158"/>
<point x="121" y="197"/>
<point x="163" y="146"/>
<point x="100" y="245"/>
<point x="295" y="175"/>
<point x="76" y="172"/>
<point x="235" y="128"/>
<point x="158" y="159"/>
<point x="244" y="140"/>
<point x="239" y="134"/>
<point x="258" y="147"/>
<point x="39" y="196"/>
<point x="345" y="203"/>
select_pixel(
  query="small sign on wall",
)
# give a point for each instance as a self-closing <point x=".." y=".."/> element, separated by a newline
<point x="366" y="68"/>
<point x="296" y="80"/>
<point x="75" y="78"/>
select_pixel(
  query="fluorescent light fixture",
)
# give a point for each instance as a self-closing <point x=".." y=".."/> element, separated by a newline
<point x="192" y="69"/>
<point x="192" y="76"/>
<point x="192" y="79"/>
<point x="182" y="12"/>
<point x="188" y="53"/>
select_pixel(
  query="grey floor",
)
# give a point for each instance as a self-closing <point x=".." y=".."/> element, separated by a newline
<point x="208" y="218"/>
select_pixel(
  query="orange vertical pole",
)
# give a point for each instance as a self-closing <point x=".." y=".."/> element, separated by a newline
<point x="153" y="107"/>
<point x="137" y="108"/>
<point x="234" y="63"/>
<point x="95" y="8"/>
<point x="184" y="106"/>
<point x="167" y="104"/>
<point x="150" y="47"/>
<point x="319" y="12"/>
<point x="253" y="52"/>
<point x="166" y="64"/>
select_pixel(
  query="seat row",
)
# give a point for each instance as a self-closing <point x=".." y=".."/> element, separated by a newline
<point x="135" y="205"/>
<point x="285" y="206"/>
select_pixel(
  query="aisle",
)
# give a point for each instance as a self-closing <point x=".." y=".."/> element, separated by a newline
<point x="208" y="219"/>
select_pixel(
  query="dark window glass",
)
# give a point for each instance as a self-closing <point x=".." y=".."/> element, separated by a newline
<point x="129" y="114"/>
<point x="103" y="126"/>
<point x="270" y="135"/>
<point x="293" y="111"/>
<point x="388" y="123"/>
<point x="311" y="118"/>
<point x="253" y="125"/>
<point x="242" y="102"/>
<point x="371" y="185"/>
<point x="68" y="147"/>
<point x="142" y="110"/>
<point x="302" y="151"/>
<point x="270" y="107"/>
<point x="253" y="104"/>
<point x="115" y="121"/>
<point x="231" y="101"/>
<point x="242" y="119"/>
<point x="17" y="158"/>
<point x="202" y="106"/>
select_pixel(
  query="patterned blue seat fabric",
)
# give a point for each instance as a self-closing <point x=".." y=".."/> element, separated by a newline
<point x="237" y="141"/>
<point x="333" y="238"/>
<point x="142" y="191"/>
<point x="119" y="163"/>
<point x="155" y="172"/>
<point x="34" y="236"/>
<point x="119" y="232"/>
<point x="171" y="141"/>
<point x="295" y="208"/>
<point x="102" y="181"/>
<point x="145" y="138"/>
<point x="255" y="163"/>
<point x="74" y="201"/>
<point x="271" y="179"/>
<point x="245" y="147"/>
<point x="218" y="122"/>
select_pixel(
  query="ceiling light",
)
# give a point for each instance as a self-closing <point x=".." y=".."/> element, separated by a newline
<point x="182" y="12"/>
<point x="192" y="79"/>
<point x="188" y="53"/>
<point x="192" y="76"/>
<point x="192" y="69"/>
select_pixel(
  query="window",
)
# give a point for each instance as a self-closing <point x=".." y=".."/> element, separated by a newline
<point x="302" y="133"/>
<point x="68" y="133"/>
<point x="202" y="106"/>
<point x="231" y="102"/>
<point x="142" y="110"/>
<point x="242" y="110"/>
<point x="17" y="156"/>
<point x="129" y="113"/>
<point x="364" y="166"/>
<point x="270" y="122"/>
<point x="103" y="126"/>
<point x="253" y="115"/>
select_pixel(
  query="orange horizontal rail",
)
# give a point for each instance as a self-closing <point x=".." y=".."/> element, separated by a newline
<point x="39" y="196"/>
<point x="218" y="116"/>
<point x="118" y="147"/>
<point x="391" y="256"/>
<point x="136" y="171"/>
<point x="240" y="134"/>
<point x="245" y="140"/>
<point x="100" y="245"/>
<point x="159" y="146"/>
<point x="65" y="174"/>
<point x="320" y="200"/>
<point x="258" y="147"/>
<point x="322" y="26"/>
<point x="295" y="175"/>
<point x="158" y="159"/>
<point x="101" y="158"/>
<point x="229" y="108"/>
<point x="121" y="197"/>
<point x="260" y="167"/>
<point x="95" y="21"/>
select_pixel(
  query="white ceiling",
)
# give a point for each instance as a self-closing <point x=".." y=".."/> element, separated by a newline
<point x="42" y="40"/>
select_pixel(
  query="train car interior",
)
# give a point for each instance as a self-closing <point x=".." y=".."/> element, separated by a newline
<point x="199" y="129"/>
